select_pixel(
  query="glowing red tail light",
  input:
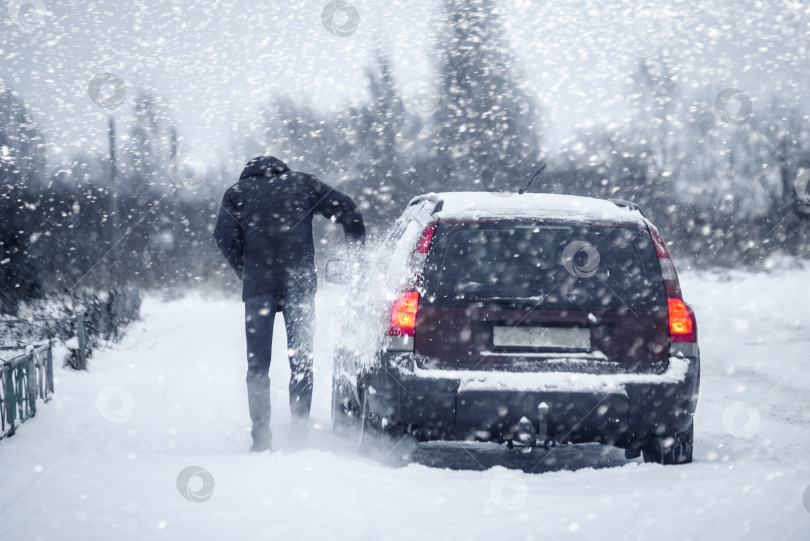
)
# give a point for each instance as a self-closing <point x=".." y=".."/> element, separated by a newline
<point x="682" y="326"/>
<point x="403" y="314"/>
<point x="681" y="322"/>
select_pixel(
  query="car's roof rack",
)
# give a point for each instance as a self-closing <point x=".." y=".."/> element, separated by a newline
<point x="626" y="204"/>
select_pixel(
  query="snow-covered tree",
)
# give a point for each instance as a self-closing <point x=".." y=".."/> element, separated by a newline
<point x="485" y="120"/>
<point x="22" y="164"/>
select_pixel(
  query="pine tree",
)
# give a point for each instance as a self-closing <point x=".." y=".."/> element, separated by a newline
<point x="22" y="165"/>
<point x="485" y="123"/>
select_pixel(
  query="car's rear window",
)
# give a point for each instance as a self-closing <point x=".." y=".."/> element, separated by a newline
<point x="553" y="266"/>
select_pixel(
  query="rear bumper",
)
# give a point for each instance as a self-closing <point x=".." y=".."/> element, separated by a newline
<point x="616" y="408"/>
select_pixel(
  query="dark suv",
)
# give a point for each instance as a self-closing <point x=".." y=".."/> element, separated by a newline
<point x="529" y="319"/>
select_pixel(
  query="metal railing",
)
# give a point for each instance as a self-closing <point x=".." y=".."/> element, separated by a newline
<point x="81" y="348"/>
<point x="80" y="324"/>
<point x="23" y="380"/>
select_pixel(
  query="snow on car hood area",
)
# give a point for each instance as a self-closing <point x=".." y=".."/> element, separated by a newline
<point x="151" y="443"/>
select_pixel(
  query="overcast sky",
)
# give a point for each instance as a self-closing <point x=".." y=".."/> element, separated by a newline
<point x="214" y="64"/>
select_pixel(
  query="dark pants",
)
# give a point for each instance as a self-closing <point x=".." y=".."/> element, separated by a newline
<point x="298" y="307"/>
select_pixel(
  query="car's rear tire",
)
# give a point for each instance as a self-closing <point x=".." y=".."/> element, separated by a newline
<point x="383" y="440"/>
<point x="364" y="422"/>
<point x="369" y="425"/>
<point x="669" y="450"/>
<point x="345" y="412"/>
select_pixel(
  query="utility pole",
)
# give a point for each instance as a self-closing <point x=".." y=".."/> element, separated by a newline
<point x="113" y="181"/>
<point x="113" y="222"/>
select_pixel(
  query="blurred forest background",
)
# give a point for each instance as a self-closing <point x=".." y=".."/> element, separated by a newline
<point x="726" y="188"/>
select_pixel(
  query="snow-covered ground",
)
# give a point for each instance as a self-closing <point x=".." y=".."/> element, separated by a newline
<point x="104" y="459"/>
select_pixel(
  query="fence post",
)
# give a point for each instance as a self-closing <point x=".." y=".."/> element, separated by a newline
<point x="32" y="384"/>
<point x="3" y="403"/>
<point x="82" y="336"/>
<point x="11" y="402"/>
<point x="49" y="371"/>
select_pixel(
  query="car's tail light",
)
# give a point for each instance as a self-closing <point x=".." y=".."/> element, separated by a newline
<point x="668" y="273"/>
<point x="682" y="326"/>
<point x="419" y="255"/>
<point x="403" y="314"/>
<point x="427" y="236"/>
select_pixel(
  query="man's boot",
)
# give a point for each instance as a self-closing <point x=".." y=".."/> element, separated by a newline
<point x="259" y="406"/>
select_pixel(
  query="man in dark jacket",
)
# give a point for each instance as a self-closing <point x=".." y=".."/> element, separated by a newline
<point x="264" y="230"/>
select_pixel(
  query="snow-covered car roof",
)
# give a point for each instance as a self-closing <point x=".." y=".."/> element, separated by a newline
<point x="474" y="205"/>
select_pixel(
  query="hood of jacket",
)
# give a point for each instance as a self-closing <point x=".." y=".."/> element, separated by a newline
<point x="263" y="166"/>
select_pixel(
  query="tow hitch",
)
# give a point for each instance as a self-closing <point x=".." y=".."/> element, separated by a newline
<point x="526" y="434"/>
<point x="529" y="435"/>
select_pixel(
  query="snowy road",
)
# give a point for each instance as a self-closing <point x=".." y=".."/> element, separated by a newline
<point x="102" y="460"/>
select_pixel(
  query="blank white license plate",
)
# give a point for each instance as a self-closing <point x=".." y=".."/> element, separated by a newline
<point x="542" y="337"/>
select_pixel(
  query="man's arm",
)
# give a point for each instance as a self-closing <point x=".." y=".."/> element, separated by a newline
<point x="228" y="234"/>
<point x="340" y="207"/>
